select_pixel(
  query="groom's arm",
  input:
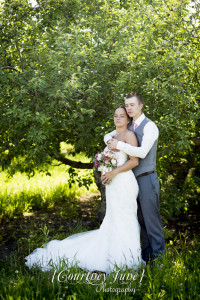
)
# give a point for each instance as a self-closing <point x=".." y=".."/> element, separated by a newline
<point x="109" y="136"/>
<point x="151" y="134"/>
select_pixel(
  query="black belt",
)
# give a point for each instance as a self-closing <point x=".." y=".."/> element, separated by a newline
<point x="144" y="174"/>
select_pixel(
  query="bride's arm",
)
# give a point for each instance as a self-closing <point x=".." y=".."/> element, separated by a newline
<point x="131" y="139"/>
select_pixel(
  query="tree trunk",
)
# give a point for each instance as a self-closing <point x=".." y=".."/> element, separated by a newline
<point x="101" y="187"/>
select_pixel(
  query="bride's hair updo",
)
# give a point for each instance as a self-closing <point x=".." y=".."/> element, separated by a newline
<point x="130" y="119"/>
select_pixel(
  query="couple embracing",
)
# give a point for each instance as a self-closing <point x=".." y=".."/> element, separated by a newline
<point x="145" y="148"/>
<point x="132" y="204"/>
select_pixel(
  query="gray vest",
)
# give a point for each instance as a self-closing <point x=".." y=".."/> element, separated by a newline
<point x="148" y="163"/>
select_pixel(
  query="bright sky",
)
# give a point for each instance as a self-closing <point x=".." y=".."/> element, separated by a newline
<point x="34" y="2"/>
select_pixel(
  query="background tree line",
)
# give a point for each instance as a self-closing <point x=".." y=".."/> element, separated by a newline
<point x="66" y="64"/>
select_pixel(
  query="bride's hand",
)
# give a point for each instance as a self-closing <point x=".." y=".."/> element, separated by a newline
<point x="107" y="177"/>
<point x="104" y="180"/>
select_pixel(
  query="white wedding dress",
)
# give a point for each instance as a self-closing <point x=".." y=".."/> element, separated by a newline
<point x="115" y="243"/>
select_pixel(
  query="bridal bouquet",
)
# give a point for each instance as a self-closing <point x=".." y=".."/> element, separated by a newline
<point x="105" y="161"/>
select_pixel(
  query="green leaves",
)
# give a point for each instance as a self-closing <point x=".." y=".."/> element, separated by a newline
<point x="65" y="65"/>
<point x="85" y="180"/>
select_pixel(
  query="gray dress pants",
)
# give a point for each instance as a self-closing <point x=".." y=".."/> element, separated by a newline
<point x="152" y="237"/>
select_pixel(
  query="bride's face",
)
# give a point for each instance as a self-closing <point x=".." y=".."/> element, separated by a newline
<point x="120" y="118"/>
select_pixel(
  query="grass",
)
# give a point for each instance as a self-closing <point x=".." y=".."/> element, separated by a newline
<point x="19" y="193"/>
<point x="175" y="276"/>
<point x="37" y="210"/>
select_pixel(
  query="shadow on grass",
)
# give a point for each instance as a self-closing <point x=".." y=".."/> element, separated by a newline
<point x="60" y="221"/>
<point x="175" y="276"/>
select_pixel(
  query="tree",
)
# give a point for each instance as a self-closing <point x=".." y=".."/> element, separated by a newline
<point x="65" y="65"/>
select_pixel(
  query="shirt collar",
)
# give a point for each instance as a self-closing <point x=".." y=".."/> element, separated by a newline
<point x="140" y="119"/>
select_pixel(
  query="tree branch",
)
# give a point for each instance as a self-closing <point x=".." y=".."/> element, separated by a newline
<point x="19" y="53"/>
<point x="11" y="68"/>
<point x="74" y="164"/>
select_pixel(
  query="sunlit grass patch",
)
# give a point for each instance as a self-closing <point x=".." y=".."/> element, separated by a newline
<point x="20" y="193"/>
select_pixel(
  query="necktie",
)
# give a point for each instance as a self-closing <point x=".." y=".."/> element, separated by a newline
<point x="134" y="126"/>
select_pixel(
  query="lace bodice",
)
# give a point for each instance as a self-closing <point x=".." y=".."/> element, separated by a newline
<point x="122" y="157"/>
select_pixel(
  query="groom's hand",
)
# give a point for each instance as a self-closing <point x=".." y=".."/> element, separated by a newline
<point x="112" y="144"/>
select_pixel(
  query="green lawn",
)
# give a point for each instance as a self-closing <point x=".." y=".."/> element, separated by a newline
<point x="176" y="276"/>
<point x="42" y="208"/>
<point x="20" y="194"/>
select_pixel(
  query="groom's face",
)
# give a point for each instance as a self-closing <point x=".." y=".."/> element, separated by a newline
<point x="133" y="107"/>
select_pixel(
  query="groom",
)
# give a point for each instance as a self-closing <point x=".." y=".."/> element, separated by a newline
<point x="146" y="131"/>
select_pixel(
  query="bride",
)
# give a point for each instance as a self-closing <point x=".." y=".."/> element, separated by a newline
<point x="117" y="242"/>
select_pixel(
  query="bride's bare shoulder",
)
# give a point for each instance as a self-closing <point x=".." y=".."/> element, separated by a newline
<point x="129" y="133"/>
<point x="130" y="137"/>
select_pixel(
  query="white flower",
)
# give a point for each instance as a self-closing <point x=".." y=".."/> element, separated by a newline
<point x="104" y="169"/>
<point x="113" y="161"/>
<point x="99" y="156"/>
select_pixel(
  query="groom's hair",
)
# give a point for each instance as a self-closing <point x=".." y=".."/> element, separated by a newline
<point x="138" y="96"/>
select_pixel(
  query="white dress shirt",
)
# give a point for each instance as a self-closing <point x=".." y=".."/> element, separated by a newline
<point x="150" y="135"/>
